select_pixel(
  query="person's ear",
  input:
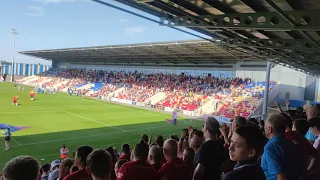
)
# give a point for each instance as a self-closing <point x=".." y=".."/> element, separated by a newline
<point x="252" y="153"/>
<point x="88" y="170"/>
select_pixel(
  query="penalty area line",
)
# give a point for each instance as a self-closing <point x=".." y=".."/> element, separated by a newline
<point x="83" y="117"/>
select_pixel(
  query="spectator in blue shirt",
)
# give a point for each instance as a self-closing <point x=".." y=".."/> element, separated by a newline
<point x="312" y="112"/>
<point x="281" y="159"/>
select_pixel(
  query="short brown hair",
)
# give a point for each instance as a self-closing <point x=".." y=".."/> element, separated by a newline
<point x="240" y="121"/>
<point x="21" y="167"/>
<point x="141" y="150"/>
<point x="99" y="163"/>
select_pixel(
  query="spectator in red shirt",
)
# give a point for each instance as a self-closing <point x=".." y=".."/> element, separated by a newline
<point x="99" y="164"/>
<point x="155" y="157"/>
<point x="145" y="138"/>
<point x="138" y="169"/>
<point x="159" y="141"/>
<point x="118" y="165"/>
<point x="307" y="149"/>
<point x="113" y="154"/>
<point x="174" y="168"/>
<point x="125" y="152"/>
<point x="81" y="155"/>
<point x="65" y="167"/>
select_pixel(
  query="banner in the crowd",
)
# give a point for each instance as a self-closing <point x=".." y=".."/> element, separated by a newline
<point x="121" y="100"/>
<point x="168" y="109"/>
<point x="219" y="118"/>
<point x="140" y="104"/>
<point x="188" y="113"/>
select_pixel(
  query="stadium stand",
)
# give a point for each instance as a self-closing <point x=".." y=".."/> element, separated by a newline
<point x="176" y="92"/>
<point x="281" y="32"/>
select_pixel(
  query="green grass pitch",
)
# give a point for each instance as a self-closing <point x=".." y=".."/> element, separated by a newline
<point x="57" y="119"/>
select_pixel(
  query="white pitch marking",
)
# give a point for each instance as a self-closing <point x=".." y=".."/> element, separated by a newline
<point x="16" y="141"/>
<point x="83" y="117"/>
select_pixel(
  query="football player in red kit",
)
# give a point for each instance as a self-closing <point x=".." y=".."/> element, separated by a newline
<point x="15" y="100"/>
<point x="31" y="95"/>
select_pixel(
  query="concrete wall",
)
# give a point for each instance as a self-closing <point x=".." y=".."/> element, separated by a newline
<point x="311" y="91"/>
<point x="292" y="82"/>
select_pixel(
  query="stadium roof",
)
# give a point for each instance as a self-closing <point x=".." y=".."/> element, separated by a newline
<point x="286" y="31"/>
<point x="195" y="52"/>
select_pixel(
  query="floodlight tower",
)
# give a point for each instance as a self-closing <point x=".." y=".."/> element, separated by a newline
<point x="14" y="32"/>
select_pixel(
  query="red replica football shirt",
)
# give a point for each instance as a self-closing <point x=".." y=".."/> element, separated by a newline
<point x="137" y="170"/>
<point x="125" y="156"/>
<point x="173" y="170"/>
<point x="81" y="174"/>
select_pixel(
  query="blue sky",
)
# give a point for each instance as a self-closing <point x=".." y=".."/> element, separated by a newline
<point x="49" y="24"/>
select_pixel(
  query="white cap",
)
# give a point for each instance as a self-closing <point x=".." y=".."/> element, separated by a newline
<point x="55" y="163"/>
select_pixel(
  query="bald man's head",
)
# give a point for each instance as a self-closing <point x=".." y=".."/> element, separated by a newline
<point x="195" y="143"/>
<point x="170" y="149"/>
<point x="275" y="125"/>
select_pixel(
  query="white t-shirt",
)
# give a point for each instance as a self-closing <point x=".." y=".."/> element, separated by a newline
<point x="174" y="115"/>
<point x="316" y="143"/>
<point x="54" y="175"/>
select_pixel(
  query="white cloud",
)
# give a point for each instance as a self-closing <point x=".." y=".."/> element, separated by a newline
<point x="123" y="20"/>
<point x="35" y="11"/>
<point x="53" y="1"/>
<point x="134" y="30"/>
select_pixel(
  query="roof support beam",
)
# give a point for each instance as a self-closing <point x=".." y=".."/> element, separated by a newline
<point x="259" y="21"/>
<point x="300" y="45"/>
<point x="293" y="23"/>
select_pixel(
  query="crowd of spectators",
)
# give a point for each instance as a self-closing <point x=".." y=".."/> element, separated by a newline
<point x="284" y="146"/>
<point x="182" y="92"/>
